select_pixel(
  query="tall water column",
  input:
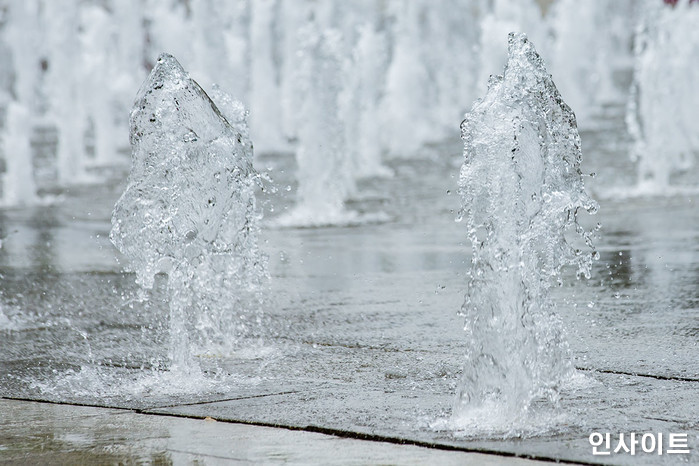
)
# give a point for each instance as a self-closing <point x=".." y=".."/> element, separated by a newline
<point x="522" y="191"/>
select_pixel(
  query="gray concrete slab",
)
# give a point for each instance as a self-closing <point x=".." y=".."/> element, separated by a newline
<point x="644" y="405"/>
<point x="34" y="433"/>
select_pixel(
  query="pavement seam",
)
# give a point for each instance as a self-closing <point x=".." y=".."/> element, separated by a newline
<point x="142" y="410"/>
<point x="638" y="374"/>
<point x="248" y="397"/>
<point x="66" y="403"/>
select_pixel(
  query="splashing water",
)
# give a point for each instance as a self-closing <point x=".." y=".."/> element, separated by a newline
<point x="664" y="104"/>
<point x="189" y="209"/>
<point x="521" y="189"/>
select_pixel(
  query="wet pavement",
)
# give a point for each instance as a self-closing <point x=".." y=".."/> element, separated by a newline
<point x="34" y="433"/>
<point x="360" y="339"/>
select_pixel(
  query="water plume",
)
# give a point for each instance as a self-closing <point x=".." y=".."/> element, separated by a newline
<point x="359" y="103"/>
<point x="17" y="181"/>
<point x="324" y="170"/>
<point x="521" y="189"/>
<point x="189" y="210"/>
<point x="18" y="186"/>
<point x="664" y="104"/>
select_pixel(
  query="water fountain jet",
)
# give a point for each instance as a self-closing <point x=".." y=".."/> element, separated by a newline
<point x="324" y="170"/>
<point x="189" y="208"/>
<point x="521" y="189"/>
<point x="664" y="105"/>
<point x="18" y="183"/>
<point x="359" y="103"/>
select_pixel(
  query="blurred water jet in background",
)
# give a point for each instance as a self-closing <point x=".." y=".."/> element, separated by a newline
<point x="410" y="69"/>
<point x="664" y="104"/>
<point x="325" y="175"/>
